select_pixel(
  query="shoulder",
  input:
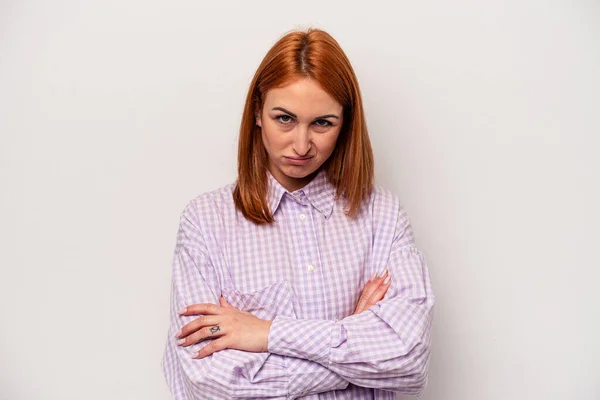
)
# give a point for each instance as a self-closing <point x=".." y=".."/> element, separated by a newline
<point x="384" y="202"/>
<point x="210" y="205"/>
<point x="387" y="209"/>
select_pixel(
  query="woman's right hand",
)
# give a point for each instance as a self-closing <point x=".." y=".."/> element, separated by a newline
<point x="373" y="291"/>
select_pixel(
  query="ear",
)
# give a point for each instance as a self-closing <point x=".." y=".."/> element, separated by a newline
<point x="258" y="119"/>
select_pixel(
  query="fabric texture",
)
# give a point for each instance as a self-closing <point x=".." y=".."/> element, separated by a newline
<point x="305" y="272"/>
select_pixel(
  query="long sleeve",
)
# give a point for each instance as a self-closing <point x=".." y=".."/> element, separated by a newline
<point x="228" y="373"/>
<point x="386" y="347"/>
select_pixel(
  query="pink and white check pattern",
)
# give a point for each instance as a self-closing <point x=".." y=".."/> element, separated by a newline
<point x="305" y="272"/>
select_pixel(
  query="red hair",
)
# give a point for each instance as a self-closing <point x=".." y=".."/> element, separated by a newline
<point x="316" y="55"/>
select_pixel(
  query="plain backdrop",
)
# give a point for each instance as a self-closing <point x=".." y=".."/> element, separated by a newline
<point x="484" y="118"/>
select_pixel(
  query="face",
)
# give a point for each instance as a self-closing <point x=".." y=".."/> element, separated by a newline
<point x="300" y="124"/>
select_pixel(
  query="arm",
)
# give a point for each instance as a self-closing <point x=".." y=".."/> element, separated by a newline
<point x="227" y="373"/>
<point x="386" y="347"/>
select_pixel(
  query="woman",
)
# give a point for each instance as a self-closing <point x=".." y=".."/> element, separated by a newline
<point x="268" y="271"/>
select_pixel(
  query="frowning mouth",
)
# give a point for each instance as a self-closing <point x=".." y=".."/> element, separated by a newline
<point x="299" y="160"/>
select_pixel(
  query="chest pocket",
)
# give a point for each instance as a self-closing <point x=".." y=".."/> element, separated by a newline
<point x="265" y="303"/>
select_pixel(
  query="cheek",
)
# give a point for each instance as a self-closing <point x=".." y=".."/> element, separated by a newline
<point x="327" y="144"/>
<point x="272" y="138"/>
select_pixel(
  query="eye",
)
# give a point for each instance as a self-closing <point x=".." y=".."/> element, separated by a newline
<point x="322" y="123"/>
<point x="284" y="119"/>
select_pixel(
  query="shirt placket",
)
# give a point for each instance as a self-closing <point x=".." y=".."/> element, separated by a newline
<point x="308" y="264"/>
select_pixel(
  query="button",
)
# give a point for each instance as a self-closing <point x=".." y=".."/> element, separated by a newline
<point x="310" y="268"/>
<point x="302" y="217"/>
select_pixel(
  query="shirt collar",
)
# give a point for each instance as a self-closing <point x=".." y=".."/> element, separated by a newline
<point x="319" y="192"/>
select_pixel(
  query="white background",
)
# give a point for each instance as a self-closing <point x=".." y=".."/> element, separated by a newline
<point x="485" y="121"/>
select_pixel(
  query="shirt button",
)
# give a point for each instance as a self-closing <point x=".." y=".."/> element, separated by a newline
<point x="302" y="217"/>
<point x="310" y="268"/>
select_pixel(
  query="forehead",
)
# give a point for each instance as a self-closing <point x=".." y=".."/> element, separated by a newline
<point x="303" y="96"/>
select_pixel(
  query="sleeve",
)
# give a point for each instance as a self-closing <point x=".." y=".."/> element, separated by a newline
<point x="227" y="374"/>
<point x="386" y="347"/>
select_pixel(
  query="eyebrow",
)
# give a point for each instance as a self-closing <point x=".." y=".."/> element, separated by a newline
<point x="295" y="116"/>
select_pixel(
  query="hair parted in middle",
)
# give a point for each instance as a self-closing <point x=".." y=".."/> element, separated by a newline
<point x="314" y="54"/>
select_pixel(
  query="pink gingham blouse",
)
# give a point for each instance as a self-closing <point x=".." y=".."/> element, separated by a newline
<point x="305" y="272"/>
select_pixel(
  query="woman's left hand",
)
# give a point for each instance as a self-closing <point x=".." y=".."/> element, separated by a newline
<point x="230" y="327"/>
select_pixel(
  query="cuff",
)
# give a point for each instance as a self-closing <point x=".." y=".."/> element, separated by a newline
<point x="303" y="338"/>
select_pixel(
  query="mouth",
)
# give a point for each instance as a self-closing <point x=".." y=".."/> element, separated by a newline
<point x="299" y="160"/>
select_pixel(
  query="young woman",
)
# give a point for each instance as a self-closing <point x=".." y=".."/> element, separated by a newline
<point x="301" y="278"/>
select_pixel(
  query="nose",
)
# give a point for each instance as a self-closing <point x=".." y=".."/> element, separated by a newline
<point x="302" y="141"/>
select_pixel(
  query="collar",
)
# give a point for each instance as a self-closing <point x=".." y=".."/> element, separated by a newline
<point x="319" y="192"/>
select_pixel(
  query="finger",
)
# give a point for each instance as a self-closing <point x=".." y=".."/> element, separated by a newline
<point x="212" y="347"/>
<point x="204" y="308"/>
<point x="380" y="292"/>
<point x="360" y="304"/>
<point x="224" y="303"/>
<point x="373" y="285"/>
<point x="197" y="324"/>
<point x="376" y="280"/>
<point x="383" y="274"/>
<point x="370" y="287"/>
<point x="364" y="296"/>
<point x="209" y="332"/>
<point x="367" y="292"/>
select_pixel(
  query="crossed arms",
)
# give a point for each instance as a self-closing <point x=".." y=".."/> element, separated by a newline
<point x="385" y="347"/>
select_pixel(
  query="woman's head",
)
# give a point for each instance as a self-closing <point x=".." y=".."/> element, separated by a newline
<point x="303" y="112"/>
<point x="300" y="124"/>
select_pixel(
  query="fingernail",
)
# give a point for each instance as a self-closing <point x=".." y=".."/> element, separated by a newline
<point x="383" y="273"/>
<point x="374" y="276"/>
<point x="178" y="334"/>
<point x="182" y="310"/>
<point x="385" y="282"/>
<point x="181" y="341"/>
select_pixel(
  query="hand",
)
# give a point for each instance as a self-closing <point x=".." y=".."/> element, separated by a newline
<point x="232" y="329"/>
<point x="373" y="291"/>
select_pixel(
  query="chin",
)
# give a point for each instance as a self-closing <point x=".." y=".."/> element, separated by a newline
<point x="303" y="172"/>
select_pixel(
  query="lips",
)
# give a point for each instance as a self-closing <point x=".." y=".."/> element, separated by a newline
<point x="299" y="161"/>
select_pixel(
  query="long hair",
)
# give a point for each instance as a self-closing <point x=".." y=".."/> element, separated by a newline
<point x="299" y="54"/>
